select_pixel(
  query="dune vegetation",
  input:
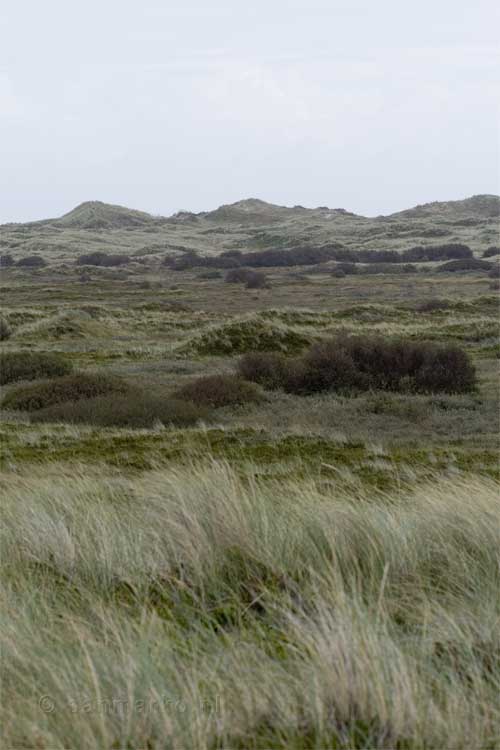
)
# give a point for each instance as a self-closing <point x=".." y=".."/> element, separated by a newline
<point x="259" y="515"/>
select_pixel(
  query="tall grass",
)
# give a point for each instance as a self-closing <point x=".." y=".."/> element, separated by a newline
<point x="197" y="607"/>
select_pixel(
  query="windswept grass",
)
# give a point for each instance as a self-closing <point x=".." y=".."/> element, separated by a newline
<point x="199" y="608"/>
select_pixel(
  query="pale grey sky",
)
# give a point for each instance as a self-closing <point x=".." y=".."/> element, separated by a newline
<point x="186" y="104"/>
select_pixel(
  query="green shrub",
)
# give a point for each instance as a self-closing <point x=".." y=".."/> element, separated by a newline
<point x="265" y="368"/>
<point x="63" y="389"/>
<point x="111" y="410"/>
<point x="219" y="390"/>
<point x="16" y="366"/>
<point x="5" y="330"/>
<point x="251" y="335"/>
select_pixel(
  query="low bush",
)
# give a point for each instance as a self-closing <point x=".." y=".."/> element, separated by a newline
<point x="242" y="336"/>
<point x="490" y="252"/>
<point x="16" y="366"/>
<point x="238" y="275"/>
<point x="61" y="390"/>
<point x="357" y="363"/>
<point x="5" y="330"/>
<point x="219" y="390"/>
<point x="257" y="280"/>
<point x="265" y="368"/>
<point x="449" y="251"/>
<point x="445" y="369"/>
<point x="467" y="264"/>
<point x="31" y="261"/>
<point x="99" y="258"/>
<point x="142" y="411"/>
<point x="494" y="272"/>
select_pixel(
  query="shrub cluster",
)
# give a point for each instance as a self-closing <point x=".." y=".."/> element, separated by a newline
<point x="31" y="261"/>
<point x="357" y="363"/>
<point x="142" y="411"/>
<point x="15" y="366"/>
<point x="268" y="369"/>
<point x="217" y="391"/>
<point x="448" y="251"/>
<point x="63" y="389"/>
<point x="310" y="256"/>
<point x="99" y="258"/>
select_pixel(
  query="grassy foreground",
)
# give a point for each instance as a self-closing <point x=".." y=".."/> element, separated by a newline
<point x="202" y="607"/>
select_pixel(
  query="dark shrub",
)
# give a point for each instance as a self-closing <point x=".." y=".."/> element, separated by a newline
<point x="265" y="368"/>
<point x="5" y="330"/>
<point x="437" y="252"/>
<point x="238" y="275"/>
<point x="491" y="251"/>
<point x="348" y="268"/>
<point x="6" y="260"/>
<point x="495" y="285"/>
<point x="15" y="366"/>
<point x="467" y="264"/>
<point x="63" y="389"/>
<point x="351" y="363"/>
<point x="494" y="272"/>
<point x="236" y="254"/>
<point x="433" y="305"/>
<point x="142" y="411"/>
<point x="219" y="390"/>
<point x="257" y="280"/>
<point x="326" y="366"/>
<point x="102" y="259"/>
<point x="31" y="261"/>
<point x="447" y="369"/>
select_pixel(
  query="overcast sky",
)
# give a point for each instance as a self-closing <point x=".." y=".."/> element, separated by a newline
<point x="164" y="105"/>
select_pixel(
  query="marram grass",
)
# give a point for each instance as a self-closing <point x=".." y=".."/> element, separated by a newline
<point x="196" y="608"/>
